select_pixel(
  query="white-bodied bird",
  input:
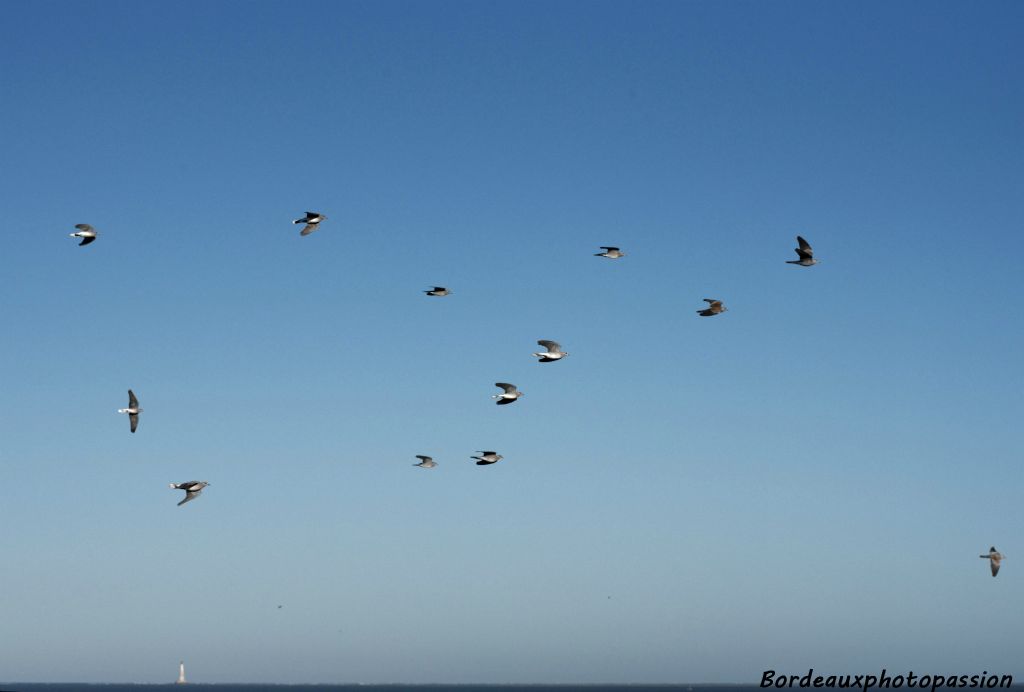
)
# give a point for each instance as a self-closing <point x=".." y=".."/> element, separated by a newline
<point x="438" y="291"/>
<point x="486" y="458"/>
<point x="86" y="232"/>
<point x="610" y="252"/>
<point x="554" y="351"/>
<point x="508" y="396"/>
<point x="312" y="221"/>
<point x="193" y="489"/>
<point x="425" y="462"/>
<point x="133" y="410"/>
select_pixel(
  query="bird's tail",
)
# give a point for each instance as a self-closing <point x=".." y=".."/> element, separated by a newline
<point x="174" y="485"/>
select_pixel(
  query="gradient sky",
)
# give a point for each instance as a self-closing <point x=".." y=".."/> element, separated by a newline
<point x="806" y="480"/>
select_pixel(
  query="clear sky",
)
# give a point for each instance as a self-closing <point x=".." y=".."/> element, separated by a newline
<point x="806" y="480"/>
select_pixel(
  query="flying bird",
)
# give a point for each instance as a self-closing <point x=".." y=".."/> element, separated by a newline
<point x="554" y="352"/>
<point x="805" y="252"/>
<point x="486" y="458"/>
<point x="510" y="394"/>
<point x="86" y="232"/>
<point x="312" y="221"/>
<point x="994" y="558"/>
<point x="193" y="489"/>
<point x="425" y="462"/>
<point x="610" y="252"/>
<point x="714" y="307"/>
<point x="438" y="291"/>
<point x="133" y="410"/>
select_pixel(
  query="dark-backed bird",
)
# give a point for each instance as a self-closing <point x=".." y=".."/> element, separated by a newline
<point x="438" y="291"/>
<point x="714" y="307"/>
<point x="610" y="252"/>
<point x="425" y="462"/>
<point x="486" y="458"/>
<point x="193" y="489"/>
<point x="133" y="410"/>
<point x="86" y="232"/>
<point x="510" y="394"/>
<point x="994" y="558"/>
<point x="554" y="351"/>
<point x="805" y="252"/>
<point x="312" y="221"/>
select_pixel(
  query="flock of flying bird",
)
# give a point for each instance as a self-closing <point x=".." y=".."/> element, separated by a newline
<point x="510" y="393"/>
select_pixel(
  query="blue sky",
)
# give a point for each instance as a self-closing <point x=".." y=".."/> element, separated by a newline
<point x="806" y="480"/>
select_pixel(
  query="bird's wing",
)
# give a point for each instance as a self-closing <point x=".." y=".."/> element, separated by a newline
<point x="995" y="566"/>
<point x="485" y="453"/>
<point x="509" y="388"/>
<point x="190" y="495"/>
<point x="424" y="458"/>
<point x="440" y="288"/>
<point x="86" y="240"/>
<point x="83" y="227"/>
<point x="312" y="214"/>
<point x="609" y="249"/>
<point x="484" y="463"/>
<point x="804" y="252"/>
<point x="712" y="301"/>
<point x="309" y="228"/>
<point x="133" y="418"/>
<point x="551" y="346"/>
<point x="132" y="401"/>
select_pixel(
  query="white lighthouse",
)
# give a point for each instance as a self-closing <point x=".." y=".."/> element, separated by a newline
<point x="181" y="672"/>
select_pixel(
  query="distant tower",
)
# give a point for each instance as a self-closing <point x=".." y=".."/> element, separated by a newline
<point x="181" y="673"/>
